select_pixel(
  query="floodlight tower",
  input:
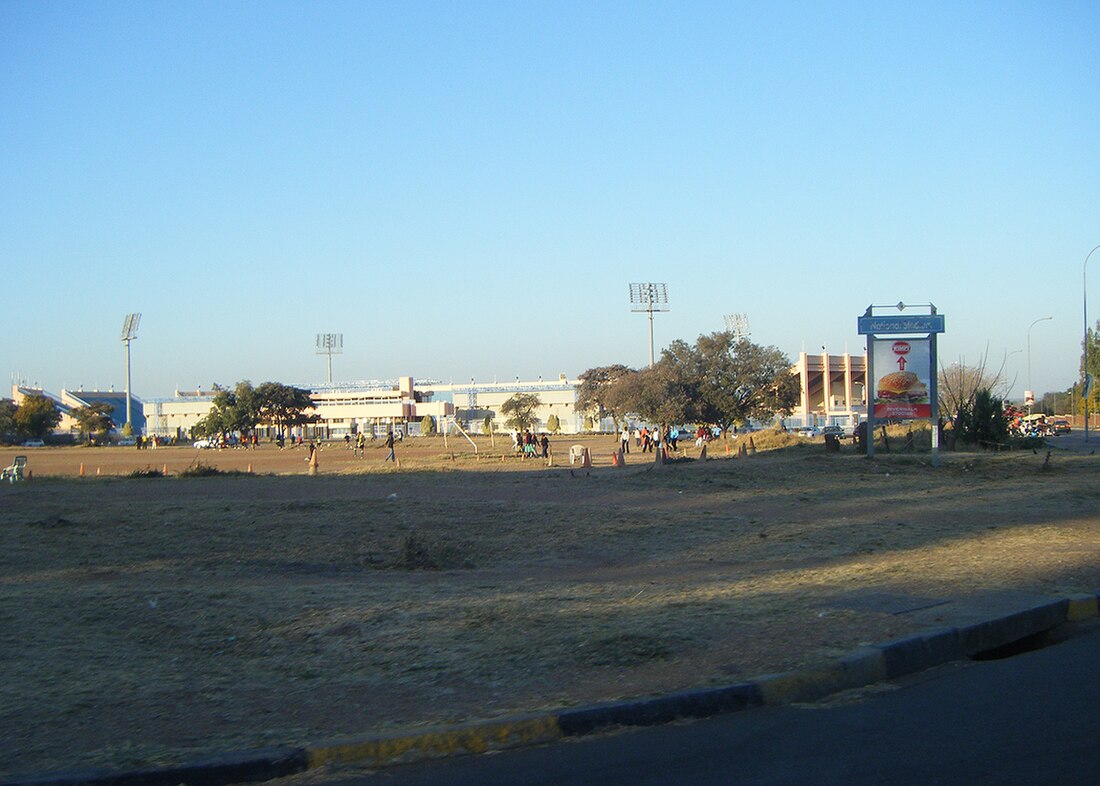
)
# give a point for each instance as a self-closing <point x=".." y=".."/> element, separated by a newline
<point x="648" y="298"/>
<point x="129" y="333"/>
<point x="330" y="344"/>
<point x="738" y="324"/>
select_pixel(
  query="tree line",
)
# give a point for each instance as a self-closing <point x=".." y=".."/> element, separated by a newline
<point x="241" y="409"/>
<point x="719" y="382"/>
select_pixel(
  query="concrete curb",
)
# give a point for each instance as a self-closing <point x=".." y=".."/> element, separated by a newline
<point x="864" y="666"/>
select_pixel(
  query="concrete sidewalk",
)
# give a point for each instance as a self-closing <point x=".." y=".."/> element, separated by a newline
<point x="956" y="629"/>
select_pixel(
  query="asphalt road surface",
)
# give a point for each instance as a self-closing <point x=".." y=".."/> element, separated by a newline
<point x="1030" y="719"/>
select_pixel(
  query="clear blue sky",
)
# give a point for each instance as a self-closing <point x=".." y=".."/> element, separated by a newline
<point x="467" y="189"/>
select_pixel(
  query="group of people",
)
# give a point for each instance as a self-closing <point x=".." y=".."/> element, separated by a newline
<point x="648" y="441"/>
<point x="530" y="445"/>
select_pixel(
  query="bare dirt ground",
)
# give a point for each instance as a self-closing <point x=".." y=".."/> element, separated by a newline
<point x="152" y="620"/>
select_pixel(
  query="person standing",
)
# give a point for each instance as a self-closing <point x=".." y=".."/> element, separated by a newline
<point x="624" y="439"/>
<point x="545" y="444"/>
<point x="389" y="444"/>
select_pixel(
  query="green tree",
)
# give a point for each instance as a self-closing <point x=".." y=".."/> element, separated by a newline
<point x="983" y="423"/>
<point x="487" y="424"/>
<point x="660" y="394"/>
<point x="595" y="394"/>
<point x="1093" y="339"/>
<point x="235" y="410"/>
<point x="284" y="406"/>
<point x="7" y="421"/>
<point x="553" y="424"/>
<point x="36" y="416"/>
<point x="427" y="425"/>
<point x="93" y="419"/>
<point x="520" y="411"/>
<point x="717" y="382"/>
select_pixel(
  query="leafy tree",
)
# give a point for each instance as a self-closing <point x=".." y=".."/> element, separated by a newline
<point x="487" y="424"/>
<point x="553" y="424"/>
<point x="520" y="409"/>
<point x="595" y="394"/>
<point x="7" y="421"/>
<point x="661" y="394"/>
<point x="235" y="410"/>
<point x="284" y="405"/>
<point x="716" y="382"/>
<point x="1093" y="339"/>
<point x="983" y="422"/>
<point x="36" y="416"/>
<point x="427" y="425"/>
<point x="93" y="419"/>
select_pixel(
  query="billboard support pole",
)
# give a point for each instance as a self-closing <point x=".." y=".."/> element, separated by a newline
<point x="934" y="389"/>
<point x="869" y="387"/>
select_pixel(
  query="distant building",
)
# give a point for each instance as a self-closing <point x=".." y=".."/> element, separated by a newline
<point x="474" y="401"/>
<point x="834" y="390"/>
<point x="73" y="399"/>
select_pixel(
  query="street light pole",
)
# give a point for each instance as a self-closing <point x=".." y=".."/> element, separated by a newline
<point x="1029" y="387"/>
<point x="1085" y="341"/>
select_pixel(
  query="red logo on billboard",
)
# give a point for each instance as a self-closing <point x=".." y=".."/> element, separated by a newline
<point x="901" y="347"/>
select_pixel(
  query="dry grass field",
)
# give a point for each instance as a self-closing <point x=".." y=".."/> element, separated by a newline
<point x="147" y="620"/>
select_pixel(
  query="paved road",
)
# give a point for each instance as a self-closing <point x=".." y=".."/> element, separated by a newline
<point x="1030" y="719"/>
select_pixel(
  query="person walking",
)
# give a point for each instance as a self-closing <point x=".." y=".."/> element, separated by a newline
<point x="389" y="444"/>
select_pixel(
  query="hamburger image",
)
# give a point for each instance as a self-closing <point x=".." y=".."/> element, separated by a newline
<point x="902" y="386"/>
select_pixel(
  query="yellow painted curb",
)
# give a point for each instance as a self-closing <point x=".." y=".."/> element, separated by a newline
<point x="800" y="685"/>
<point x="863" y="667"/>
<point x="1082" y="607"/>
<point x="479" y="738"/>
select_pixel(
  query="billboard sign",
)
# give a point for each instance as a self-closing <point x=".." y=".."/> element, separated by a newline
<point x="910" y="323"/>
<point x="903" y="378"/>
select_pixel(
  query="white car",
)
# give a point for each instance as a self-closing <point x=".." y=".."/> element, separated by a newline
<point x="34" y="443"/>
<point x="203" y="443"/>
<point x="809" y="432"/>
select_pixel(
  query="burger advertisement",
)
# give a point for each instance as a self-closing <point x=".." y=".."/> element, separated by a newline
<point x="902" y="369"/>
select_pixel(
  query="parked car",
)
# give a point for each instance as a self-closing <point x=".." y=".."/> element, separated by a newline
<point x="836" y="431"/>
<point x="34" y="443"/>
<point x="1061" y="426"/>
<point x="809" y="432"/>
<point x="203" y="443"/>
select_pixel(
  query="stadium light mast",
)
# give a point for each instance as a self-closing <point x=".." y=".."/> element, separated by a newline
<point x="330" y="344"/>
<point x="738" y="324"/>
<point x="649" y="297"/>
<point x="129" y="333"/>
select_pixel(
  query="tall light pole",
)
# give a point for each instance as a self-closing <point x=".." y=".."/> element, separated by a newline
<point x="1030" y="389"/>
<point x="129" y="333"/>
<point x="738" y="325"/>
<point x="330" y="344"/>
<point x="648" y="298"/>
<point x="1087" y="380"/>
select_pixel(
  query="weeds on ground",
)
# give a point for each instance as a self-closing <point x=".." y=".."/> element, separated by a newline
<point x="148" y="472"/>
<point x="200" y="470"/>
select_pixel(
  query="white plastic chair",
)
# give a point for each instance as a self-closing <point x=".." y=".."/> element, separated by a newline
<point x="15" y="471"/>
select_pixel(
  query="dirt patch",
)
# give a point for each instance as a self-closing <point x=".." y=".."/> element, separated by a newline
<point x="152" y="620"/>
